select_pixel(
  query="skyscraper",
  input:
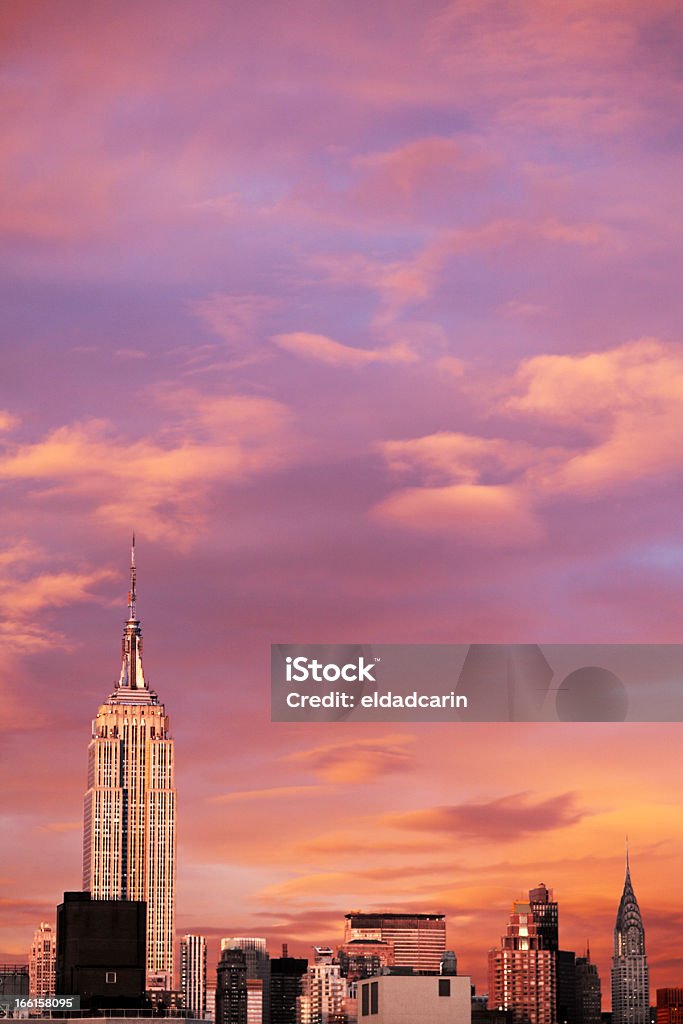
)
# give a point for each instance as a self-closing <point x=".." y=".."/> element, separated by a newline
<point x="522" y="972"/>
<point x="588" y="994"/>
<point x="193" y="974"/>
<point x="286" y="973"/>
<point x="630" y="981"/>
<point x="418" y="940"/>
<point x="129" y="814"/>
<point x="258" y="969"/>
<point x="323" y="991"/>
<point x="231" y="988"/>
<point x="545" y="911"/>
<point x="41" y="962"/>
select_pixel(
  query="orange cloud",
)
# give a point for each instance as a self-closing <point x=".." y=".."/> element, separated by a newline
<point x="497" y="515"/>
<point x="447" y="457"/>
<point x="504" y="819"/>
<point x="209" y="440"/>
<point x="629" y="399"/>
<point x="326" y="350"/>
<point x="360" y="761"/>
<point x="274" y="793"/>
<point x="623" y="406"/>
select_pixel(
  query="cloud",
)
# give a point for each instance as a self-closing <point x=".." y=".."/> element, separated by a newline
<point x="493" y="515"/>
<point x="325" y="350"/>
<point x="609" y="421"/>
<point x="362" y="761"/>
<point x="27" y="589"/>
<point x="505" y="819"/>
<point x="628" y="399"/>
<point x="410" y="281"/>
<point x="7" y="420"/>
<point x="234" y="318"/>
<point x="447" y="457"/>
<point x="274" y="793"/>
<point x="201" y="441"/>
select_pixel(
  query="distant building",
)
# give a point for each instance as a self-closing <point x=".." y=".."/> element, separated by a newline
<point x="545" y="910"/>
<point x="670" y="1006"/>
<point x="231" y="987"/>
<point x="364" y="958"/>
<point x="286" y="979"/>
<point x="323" y="991"/>
<point x="449" y="964"/>
<point x="414" y="999"/>
<point x="193" y="974"/>
<point x="101" y="948"/>
<point x="588" y="991"/>
<point x="14" y="980"/>
<point x="258" y="969"/>
<point x="630" y="979"/>
<point x="565" y="979"/>
<point x="254" y="1000"/>
<point x="41" y="961"/>
<point x="418" y="940"/>
<point x="522" y="972"/>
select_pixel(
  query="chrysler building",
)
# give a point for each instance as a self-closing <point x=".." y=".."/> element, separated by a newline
<point x="129" y="815"/>
<point x="630" y="984"/>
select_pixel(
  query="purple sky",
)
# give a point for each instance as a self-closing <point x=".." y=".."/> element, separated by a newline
<point x="366" y="318"/>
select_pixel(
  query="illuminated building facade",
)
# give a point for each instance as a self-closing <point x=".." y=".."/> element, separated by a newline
<point x="418" y="940"/>
<point x="193" y="974"/>
<point x="41" y="961"/>
<point x="129" y="831"/>
<point x="522" y="972"/>
<point x="323" y="994"/>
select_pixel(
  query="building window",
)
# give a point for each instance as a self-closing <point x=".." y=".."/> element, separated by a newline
<point x="444" y="986"/>
<point x="374" y="997"/>
<point x="110" y="977"/>
<point x="365" y="1000"/>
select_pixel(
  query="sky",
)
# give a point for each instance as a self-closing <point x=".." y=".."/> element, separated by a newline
<point x="366" y="319"/>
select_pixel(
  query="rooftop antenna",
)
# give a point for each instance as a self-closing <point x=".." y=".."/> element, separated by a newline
<point x="131" y="592"/>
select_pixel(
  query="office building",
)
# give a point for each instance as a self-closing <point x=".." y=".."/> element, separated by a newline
<point x="323" y="991"/>
<point x="545" y="910"/>
<point x="414" y="999"/>
<point x="522" y="972"/>
<point x="670" y="1006"/>
<point x="286" y="974"/>
<point x="588" y="991"/>
<point x="364" y="958"/>
<point x="258" y="969"/>
<point x="41" y="961"/>
<point x="14" y="981"/>
<point x="193" y="974"/>
<point x="418" y="940"/>
<point x="630" y="980"/>
<point x="129" y="834"/>
<point x="231" y="987"/>
<point x="101" y="951"/>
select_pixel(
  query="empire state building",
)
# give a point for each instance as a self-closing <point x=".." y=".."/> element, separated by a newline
<point x="130" y="811"/>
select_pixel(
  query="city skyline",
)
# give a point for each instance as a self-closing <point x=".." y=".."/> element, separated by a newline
<point x="366" y="319"/>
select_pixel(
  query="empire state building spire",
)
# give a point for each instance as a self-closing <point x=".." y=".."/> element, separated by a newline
<point x="132" y="677"/>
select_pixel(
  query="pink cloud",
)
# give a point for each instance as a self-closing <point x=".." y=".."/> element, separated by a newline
<point x="334" y="353"/>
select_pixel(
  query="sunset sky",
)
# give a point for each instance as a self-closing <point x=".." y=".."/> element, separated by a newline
<point x="365" y="316"/>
